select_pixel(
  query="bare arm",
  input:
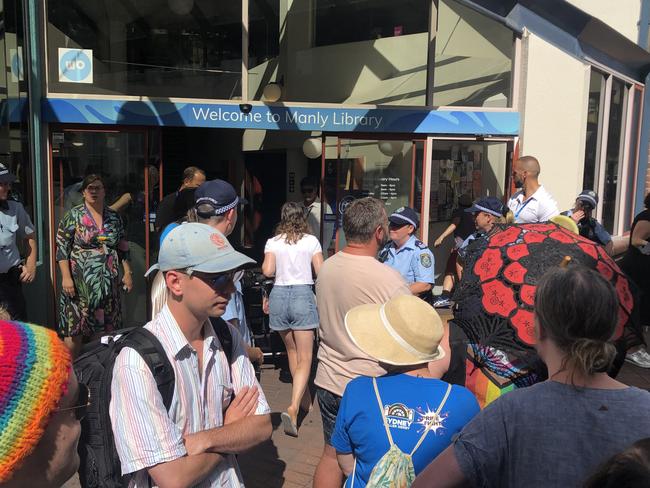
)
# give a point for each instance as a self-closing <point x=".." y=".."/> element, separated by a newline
<point x="66" y="278"/>
<point x="641" y="233"/>
<point x="346" y="462"/>
<point x="443" y="472"/>
<point x="317" y="261"/>
<point x="185" y="471"/>
<point x="609" y="248"/>
<point x="451" y="228"/>
<point x="121" y="202"/>
<point x="234" y="438"/>
<point x="268" y="266"/>
<point x="29" y="269"/>
<point x="419" y="287"/>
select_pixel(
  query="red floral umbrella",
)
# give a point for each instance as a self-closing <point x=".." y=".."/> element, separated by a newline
<point x="499" y="281"/>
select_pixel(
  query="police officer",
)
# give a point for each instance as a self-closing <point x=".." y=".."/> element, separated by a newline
<point x="407" y="254"/>
<point x="15" y="226"/>
<point x="588" y="226"/>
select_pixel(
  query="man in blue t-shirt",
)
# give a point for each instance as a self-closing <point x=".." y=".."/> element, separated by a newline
<point x="410" y="402"/>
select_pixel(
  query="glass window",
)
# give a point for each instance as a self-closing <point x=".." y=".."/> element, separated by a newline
<point x="594" y="114"/>
<point x="615" y="135"/>
<point x="167" y="48"/>
<point x="120" y="158"/>
<point x="337" y="51"/>
<point x="473" y="59"/>
<point x="637" y="108"/>
<point x="14" y="124"/>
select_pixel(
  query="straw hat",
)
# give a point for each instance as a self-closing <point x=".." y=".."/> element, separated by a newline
<point x="403" y="331"/>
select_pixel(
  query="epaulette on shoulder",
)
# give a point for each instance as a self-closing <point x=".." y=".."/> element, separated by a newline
<point x="421" y="244"/>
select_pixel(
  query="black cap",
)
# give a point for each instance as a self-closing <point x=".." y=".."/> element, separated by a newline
<point x="490" y="205"/>
<point x="589" y="196"/>
<point x="403" y="216"/>
<point x="5" y="175"/>
<point x="219" y="194"/>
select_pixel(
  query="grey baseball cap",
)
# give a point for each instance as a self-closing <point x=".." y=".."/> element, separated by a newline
<point x="198" y="247"/>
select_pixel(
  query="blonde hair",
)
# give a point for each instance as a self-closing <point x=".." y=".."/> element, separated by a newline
<point x="158" y="293"/>
<point x="293" y="223"/>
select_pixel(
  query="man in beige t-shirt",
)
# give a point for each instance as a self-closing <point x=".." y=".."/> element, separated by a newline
<point x="351" y="277"/>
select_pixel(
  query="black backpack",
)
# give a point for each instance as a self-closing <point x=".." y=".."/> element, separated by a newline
<point x="100" y="464"/>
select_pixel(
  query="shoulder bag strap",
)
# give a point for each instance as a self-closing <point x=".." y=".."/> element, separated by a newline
<point x="428" y="427"/>
<point x="381" y="410"/>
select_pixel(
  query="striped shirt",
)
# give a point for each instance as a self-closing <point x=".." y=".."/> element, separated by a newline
<point x="145" y="433"/>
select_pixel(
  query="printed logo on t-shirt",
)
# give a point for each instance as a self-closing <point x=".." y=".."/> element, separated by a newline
<point x="431" y="419"/>
<point x="399" y="416"/>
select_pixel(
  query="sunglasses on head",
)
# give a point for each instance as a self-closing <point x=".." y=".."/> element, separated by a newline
<point x="82" y="403"/>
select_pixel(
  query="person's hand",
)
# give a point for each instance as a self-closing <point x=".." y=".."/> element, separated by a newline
<point x="578" y="216"/>
<point x="244" y="404"/>
<point x="28" y="273"/>
<point x="438" y="242"/>
<point x="256" y="355"/>
<point x="194" y="444"/>
<point x="127" y="281"/>
<point x="68" y="287"/>
<point x="265" y="305"/>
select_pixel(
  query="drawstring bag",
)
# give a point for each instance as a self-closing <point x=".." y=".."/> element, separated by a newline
<point x="395" y="468"/>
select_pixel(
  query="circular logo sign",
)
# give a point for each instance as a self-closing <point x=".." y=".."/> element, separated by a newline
<point x="75" y="66"/>
<point x="345" y="203"/>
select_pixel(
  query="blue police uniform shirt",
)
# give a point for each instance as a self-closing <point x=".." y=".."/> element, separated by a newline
<point x="235" y="310"/>
<point x="409" y="403"/>
<point x="414" y="260"/>
<point x="600" y="235"/>
<point x="15" y="225"/>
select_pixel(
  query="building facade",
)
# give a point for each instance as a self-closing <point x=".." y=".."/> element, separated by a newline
<point x="414" y="101"/>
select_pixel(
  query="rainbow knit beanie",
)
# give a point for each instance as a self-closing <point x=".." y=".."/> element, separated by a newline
<point x="34" y="370"/>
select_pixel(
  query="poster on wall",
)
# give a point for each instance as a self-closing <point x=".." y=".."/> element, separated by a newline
<point x="75" y="65"/>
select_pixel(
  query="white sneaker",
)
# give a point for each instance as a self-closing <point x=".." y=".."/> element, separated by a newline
<point x="639" y="358"/>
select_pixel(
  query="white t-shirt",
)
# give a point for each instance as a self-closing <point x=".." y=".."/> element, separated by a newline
<point x="540" y="207"/>
<point x="293" y="261"/>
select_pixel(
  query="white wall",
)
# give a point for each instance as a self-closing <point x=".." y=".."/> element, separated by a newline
<point x="553" y="117"/>
<point x="621" y="15"/>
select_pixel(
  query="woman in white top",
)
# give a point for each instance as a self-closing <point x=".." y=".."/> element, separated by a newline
<point x="289" y="256"/>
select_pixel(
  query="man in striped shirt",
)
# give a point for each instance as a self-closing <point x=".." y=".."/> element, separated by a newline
<point x="192" y="444"/>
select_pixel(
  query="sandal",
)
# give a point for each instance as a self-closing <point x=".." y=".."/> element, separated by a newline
<point x="289" y="425"/>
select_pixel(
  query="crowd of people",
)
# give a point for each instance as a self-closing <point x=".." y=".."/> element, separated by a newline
<point x="394" y="410"/>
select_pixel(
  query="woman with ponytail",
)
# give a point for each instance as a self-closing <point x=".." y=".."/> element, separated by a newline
<point x="557" y="432"/>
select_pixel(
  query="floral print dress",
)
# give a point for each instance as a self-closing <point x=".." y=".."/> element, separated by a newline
<point x="94" y="255"/>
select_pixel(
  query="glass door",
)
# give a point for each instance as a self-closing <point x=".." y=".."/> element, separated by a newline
<point x="128" y="161"/>
<point x="391" y="170"/>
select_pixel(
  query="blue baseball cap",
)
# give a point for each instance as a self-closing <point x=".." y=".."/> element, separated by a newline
<point x="6" y="176"/>
<point x="198" y="247"/>
<point x="219" y="194"/>
<point x="404" y="216"/>
<point x="489" y="205"/>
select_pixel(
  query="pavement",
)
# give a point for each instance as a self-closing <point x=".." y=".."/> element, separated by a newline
<point x="289" y="462"/>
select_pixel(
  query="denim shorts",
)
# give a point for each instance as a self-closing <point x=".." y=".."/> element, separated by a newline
<point x="329" y="404"/>
<point x="292" y="307"/>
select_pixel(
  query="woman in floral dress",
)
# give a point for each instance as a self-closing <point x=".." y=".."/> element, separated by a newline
<point x="90" y="243"/>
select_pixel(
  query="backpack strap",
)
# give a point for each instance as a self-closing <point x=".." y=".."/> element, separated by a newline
<point x="151" y="350"/>
<point x="381" y="410"/>
<point x="222" y="329"/>
<point x="437" y="413"/>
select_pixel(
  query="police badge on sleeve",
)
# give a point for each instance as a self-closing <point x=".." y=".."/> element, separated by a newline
<point x="425" y="260"/>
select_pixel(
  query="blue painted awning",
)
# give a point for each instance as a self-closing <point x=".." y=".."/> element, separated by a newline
<point x="280" y="117"/>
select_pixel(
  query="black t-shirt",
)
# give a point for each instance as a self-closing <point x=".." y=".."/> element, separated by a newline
<point x="466" y="226"/>
<point x="165" y="213"/>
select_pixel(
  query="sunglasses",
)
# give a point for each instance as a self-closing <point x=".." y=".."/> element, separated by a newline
<point x="218" y="281"/>
<point x="82" y="404"/>
<point x="307" y="190"/>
